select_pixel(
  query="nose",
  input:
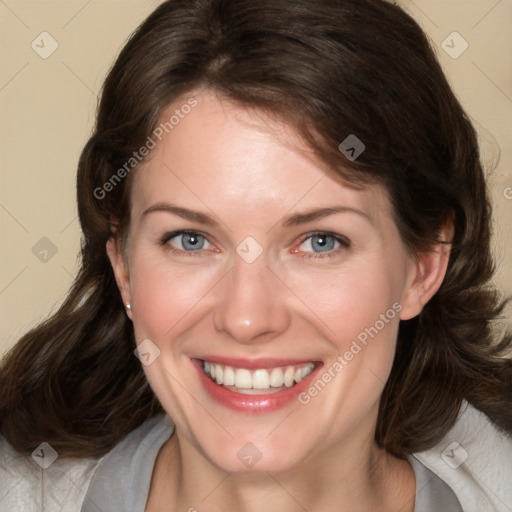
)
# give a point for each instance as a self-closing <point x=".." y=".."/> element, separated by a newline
<point x="251" y="306"/>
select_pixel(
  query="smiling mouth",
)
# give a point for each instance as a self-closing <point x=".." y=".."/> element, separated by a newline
<point x="256" y="382"/>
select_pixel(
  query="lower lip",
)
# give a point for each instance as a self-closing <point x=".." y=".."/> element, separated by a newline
<point x="253" y="404"/>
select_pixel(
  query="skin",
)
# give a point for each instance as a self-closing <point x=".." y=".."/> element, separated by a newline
<point x="249" y="171"/>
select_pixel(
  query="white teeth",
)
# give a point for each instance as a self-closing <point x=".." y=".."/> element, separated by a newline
<point x="257" y="379"/>
<point x="289" y="374"/>
<point x="229" y="376"/>
<point x="277" y="378"/>
<point x="243" y="379"/>
<point x="260" y="379"/>
<point x="219" y="373"/>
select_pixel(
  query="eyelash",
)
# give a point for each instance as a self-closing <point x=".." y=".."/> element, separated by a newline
<point x="344" y="244"/>
<point x="180" y="252"/>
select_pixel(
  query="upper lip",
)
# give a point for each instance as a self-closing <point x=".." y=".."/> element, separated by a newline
<point x="255" y="364"/>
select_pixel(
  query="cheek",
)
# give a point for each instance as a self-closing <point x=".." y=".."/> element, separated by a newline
<point x="351" y="300"/>
<point x="164" y="295"/>
<point x="357" y="310"/>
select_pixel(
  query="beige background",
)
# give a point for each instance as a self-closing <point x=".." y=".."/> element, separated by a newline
<point x="47" y="111"/>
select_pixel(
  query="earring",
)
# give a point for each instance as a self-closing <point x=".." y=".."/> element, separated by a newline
<point x="128" y="306"/>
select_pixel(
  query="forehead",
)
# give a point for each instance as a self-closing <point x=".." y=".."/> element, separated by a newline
<point x="221" y="155"/>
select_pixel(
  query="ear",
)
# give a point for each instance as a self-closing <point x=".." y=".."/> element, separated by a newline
<point x="427" y="274"/>
<point x="120" y="269"/>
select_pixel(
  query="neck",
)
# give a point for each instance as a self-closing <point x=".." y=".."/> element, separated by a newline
<point x="357" y="478"/>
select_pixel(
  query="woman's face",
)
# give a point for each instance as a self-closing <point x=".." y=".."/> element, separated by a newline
<point x="283" y="274"/>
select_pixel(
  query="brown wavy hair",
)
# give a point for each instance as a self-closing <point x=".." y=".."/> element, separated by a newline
<point x="330" y="68"/>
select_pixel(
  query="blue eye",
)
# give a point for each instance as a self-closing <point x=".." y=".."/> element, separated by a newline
<point x="320" y="245"/>
<point x="314" y="245"/>
<point x="188" y="241"/>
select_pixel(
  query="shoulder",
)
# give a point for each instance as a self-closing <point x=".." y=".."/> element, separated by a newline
<point x="122" y="479"/>
<point x="42" y="482"/>
<point x="475" y="460"/>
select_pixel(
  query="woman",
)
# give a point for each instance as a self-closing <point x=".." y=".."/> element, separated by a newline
<point x="284" y="298"/>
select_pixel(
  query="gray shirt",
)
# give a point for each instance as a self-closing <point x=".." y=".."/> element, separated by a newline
<point x="123" y="477"/>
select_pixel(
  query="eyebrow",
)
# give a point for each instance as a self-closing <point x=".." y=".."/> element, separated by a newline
<point x="320" y="213"/>
<point x="292" y="220"/>
<point x="185" y="213"/>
